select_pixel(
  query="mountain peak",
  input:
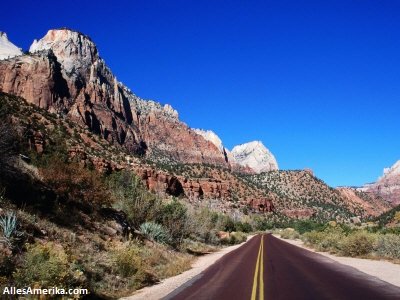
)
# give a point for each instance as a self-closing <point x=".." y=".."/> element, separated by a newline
<point x="75" y="51"/>
<point x="7" y="49"/>
<point x="256" y="156"/>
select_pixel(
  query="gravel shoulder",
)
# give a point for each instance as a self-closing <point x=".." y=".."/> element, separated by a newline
<point x="380" y="269"/>
<point x="168" y="285"/>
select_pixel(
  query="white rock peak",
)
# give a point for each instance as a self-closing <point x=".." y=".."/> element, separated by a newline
<point x="7" y="49"/>
<point x="255" y="156"/>
<point x="393" y="170"/>
<point x="75" y="51"/>
<point x="210" y="136"/>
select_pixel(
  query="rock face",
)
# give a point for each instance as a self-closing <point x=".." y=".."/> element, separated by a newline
<point x="7" y="49"/>
<point x="387" y="186"/>
<point x="193" y="189"/>
<point x="64" y="74"/>
<point x="255" y="156"/>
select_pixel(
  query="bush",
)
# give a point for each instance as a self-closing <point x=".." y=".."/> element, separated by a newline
<point x="243" y="227"/>
<point x="290" y="233"/>
<point x="75" y="183"/>
<point x="388" y="245"/>
<point x="312" y="238"/>
<point x="132" y="197"/>
<point x="173" y="216"/>
<point x="234" y="238"/>
<point x="331" y="239"/>
<point x="154" y="232"/>
<point x="45" y="265"/>
<point x="357" y="244"/>
<point x="127" y="260"/>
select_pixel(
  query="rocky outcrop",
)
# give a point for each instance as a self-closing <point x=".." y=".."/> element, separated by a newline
<point x="193" y="189"/>
<point x="256" y="156"/>
<point x="369" y="203"/>
<point x="387" y="186"/>
<point x="7" y="49"/>
<point x="261" y="204"/>
<point x="64" y="74"/>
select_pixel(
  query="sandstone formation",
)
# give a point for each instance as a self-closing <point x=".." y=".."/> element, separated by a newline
<point x="387" y="186"/>
<point x="64" y="74"/>
<point x="261" y="204"/>
<point x="255" y="156"/>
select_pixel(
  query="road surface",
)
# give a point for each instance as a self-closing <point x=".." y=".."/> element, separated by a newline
<point x="268" y="268"/>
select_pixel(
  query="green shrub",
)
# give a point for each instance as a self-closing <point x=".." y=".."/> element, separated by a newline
<point x="357" y="244"/>
<point x="154" y="232"/>
<point x="173" y="216"/>
<point x="45" y="265"/>
<point x="290" y="233"/>
<point x="388" y="245"/>
<point x="132" y="197"/>
<point x="234" y="238"/>
<point x="331" y="239"/>
<point x="128" y="261"/>
<point x="243" y="227"/>
<point x="312" y="238"/>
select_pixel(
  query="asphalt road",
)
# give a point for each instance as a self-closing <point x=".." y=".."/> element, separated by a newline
<point x="268" y="268"/>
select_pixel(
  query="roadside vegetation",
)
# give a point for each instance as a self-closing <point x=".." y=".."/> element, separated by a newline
<point x="64" y="224"/>
<point x="366" y="241"/>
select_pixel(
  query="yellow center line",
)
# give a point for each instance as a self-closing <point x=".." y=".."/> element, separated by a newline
<point x="259" y="267"/>
<point x="262" y="270"/>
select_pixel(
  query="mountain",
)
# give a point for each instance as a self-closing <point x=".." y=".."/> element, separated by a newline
<point x="387" y="186"/>
<point x="63" y="80"/>
<point x="255" y="156"/>
<point x="7" y="49"/>
<point x="63" y="73"/>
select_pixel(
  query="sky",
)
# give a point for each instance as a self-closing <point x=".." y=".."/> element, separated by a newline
<point x="318" y="82"/>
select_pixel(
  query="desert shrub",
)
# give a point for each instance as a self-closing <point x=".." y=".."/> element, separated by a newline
<point x="128" y="261"/>
<point x="132" y="197"/>
<point x="45" y="265"/>
<point x="331" y="239"/>
<point x="358" y="243"/>
<point x="303" y="226"/>
<point x="9" y="229"/>
<point x="312" y="238"/>
<point x="234" y="238"/>
<point x="243" y="227"/>
<point x="201" y="225"/>
<point x="388" y="245"/>
<point x="154" y="232"/>
<point x="163" y="262"/>
<point x="72" y="182"/>
<point x="289" y="233"/>
<point x="173" y="216"/>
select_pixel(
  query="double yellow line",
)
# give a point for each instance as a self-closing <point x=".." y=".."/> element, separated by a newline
<point x="258" y="274"/>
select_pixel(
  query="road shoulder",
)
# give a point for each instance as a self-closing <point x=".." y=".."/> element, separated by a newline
<point x="380" y="269"/>
<point x="168" y="285"/>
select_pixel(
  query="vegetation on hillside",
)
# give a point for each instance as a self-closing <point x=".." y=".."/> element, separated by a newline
<point x="64" y="224"/>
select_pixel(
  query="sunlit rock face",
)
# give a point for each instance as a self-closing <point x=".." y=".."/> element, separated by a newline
<point x="388" y="185"/>
<point x="255" y="156"/>
<point x="8" y="49"/>
<point x="64" y="73"/>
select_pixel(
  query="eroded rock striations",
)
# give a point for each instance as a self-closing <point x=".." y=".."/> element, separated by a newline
<point x="64" y="74"/>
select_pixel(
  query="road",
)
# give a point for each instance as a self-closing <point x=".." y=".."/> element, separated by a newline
<point x="269" y="268"/>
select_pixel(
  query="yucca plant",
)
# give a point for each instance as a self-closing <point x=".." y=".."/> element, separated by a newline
<point x="154" y="232"/>
<point x="9" y="227"/>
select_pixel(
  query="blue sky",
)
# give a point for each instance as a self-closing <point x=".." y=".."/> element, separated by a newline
<point x="317" y="81"/>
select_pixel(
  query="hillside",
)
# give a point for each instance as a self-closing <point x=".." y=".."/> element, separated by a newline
<point x="300" y="194"/>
